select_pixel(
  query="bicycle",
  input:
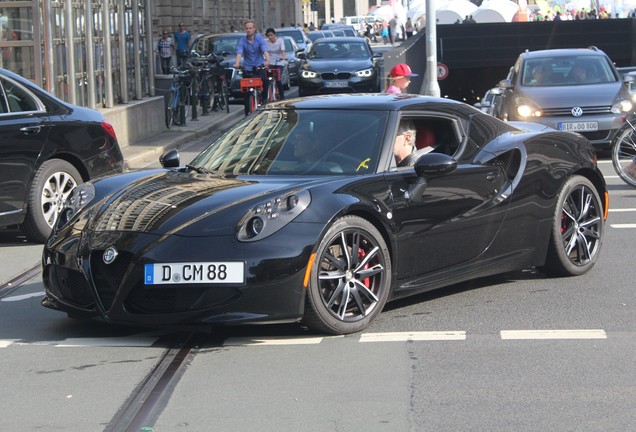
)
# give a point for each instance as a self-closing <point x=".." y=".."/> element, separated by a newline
<point x="253" y="86"/>
<point x="221" y="89"/>
<point x="624" y="152"/>
<point x="179" y="98"/>
<point x="273" y="76"/>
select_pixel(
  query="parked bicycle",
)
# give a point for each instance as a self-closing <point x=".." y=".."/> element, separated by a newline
<point x="624" y="152"/>
<point x="178" y="105"/>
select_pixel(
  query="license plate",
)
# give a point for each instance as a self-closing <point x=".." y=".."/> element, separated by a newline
<point x="194" y="273"/>
<point x="336" y="84"/>
<point x="578" y="126"/>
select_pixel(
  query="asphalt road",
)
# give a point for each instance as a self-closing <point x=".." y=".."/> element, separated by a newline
<point x="515" y="352"/>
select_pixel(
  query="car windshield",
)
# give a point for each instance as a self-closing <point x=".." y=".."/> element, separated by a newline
<point x="289" y="48"/>
<point x="223" y="45"/>
<point x="338" y="49"/>
<point x="297" y="35"/>
<point x="567" y="71"/>
<point x="298" y="142"/>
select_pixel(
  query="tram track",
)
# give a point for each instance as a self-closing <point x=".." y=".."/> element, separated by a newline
<point x="9" y="287"/>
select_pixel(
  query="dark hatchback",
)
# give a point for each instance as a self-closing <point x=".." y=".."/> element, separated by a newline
<point x="339" y="65"/>
<point x="47" y="147"/>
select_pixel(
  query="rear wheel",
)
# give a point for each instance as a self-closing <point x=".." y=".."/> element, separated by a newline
<point x="350" y="278"/>
<point x="624" y="154"/>
<point x="170" y="111"/>
<point x="51" y="185"/>
<point x="577" y="229"/>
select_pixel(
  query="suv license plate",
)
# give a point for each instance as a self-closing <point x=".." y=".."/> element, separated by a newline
<point x="336" y="84"/>
<point x="194" y="273"/>
<point x="578" y="126"/>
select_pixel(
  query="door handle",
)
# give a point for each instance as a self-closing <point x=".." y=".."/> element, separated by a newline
<point x="30" y="130"/>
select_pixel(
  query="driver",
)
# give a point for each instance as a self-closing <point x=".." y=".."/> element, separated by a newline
<point x="404" y="143"/>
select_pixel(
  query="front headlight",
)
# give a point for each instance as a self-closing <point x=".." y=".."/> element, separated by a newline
<point x="528" y="111"/>
<point x="80" y="197"/>
<point x="272" y="215"/>
<point x="622" y="107"/>
<point x="365" y="73"/>
<point x="308" y="74"/>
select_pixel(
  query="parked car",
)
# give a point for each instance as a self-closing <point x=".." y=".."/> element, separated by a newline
<point x="224" y="46"/>
<point x="47" y="147"/>
<point x="317" y="34"/>
<point x="628" y="74"/>
<point x="339" y="65"/>
<point x="488" y="103"/>
<point x="301" y="213"/>
<point x="545" y="87"/>
<point x="340" y="29"/>
<point x="293" y="62"/>
<point x="297" y="34"/>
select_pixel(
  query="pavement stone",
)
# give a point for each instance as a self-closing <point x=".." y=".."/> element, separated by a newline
<point x="141" y="154"/>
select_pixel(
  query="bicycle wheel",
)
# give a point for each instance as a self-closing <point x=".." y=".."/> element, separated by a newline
<point x="170" y="111"/>
<point x="225" y="95"/>
<point x="271" y="92"/>
<point x="624" y="154"/>
<point x="186" y="101"/>
<point x="253" y="102"/>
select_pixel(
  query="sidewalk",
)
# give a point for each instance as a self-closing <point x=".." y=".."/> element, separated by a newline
<point x="147" y="151"/>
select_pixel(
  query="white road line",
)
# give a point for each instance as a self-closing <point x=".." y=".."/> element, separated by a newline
<point x="553" y="334"/>
<point x="413" y="336"/>
<point x="623" y="226"/>
<point x="244" y="341"/>
<point x="23" y="296"/>
<point x="622" y="210"/>
<point x="6" y="342"/>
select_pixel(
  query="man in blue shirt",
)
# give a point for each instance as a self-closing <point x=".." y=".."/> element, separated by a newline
<point x="182" y="38"/>
<point x="252" y="48"/>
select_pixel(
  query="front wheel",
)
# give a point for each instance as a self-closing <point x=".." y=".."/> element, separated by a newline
<point x="253" y="102"/>
<point x="577" y="229"/>
<point x="170" y="111"/>
<point x="624" y="154"/>
<point x="350" y="278"/>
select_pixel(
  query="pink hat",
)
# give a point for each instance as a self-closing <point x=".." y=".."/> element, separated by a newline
<point x="401" y="70"/>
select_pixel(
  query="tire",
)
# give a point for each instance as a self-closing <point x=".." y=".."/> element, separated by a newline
<point x="624" y="154"/>
<point x="170" y="111"/>
<point x="363" y="280"/>
<point x="253" y="103"/>
<point x="51" y="186"/>
<point x="577" y="229"/>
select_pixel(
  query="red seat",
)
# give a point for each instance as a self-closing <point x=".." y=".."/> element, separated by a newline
<point x="425" y="137"/>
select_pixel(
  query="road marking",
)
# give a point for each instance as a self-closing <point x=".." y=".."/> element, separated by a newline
<point x="413" y="336"/>
<point x="622" y="210"/>
<point x="622" y="226"/>
<point x="242" y="341"/>
<point x="6" y="342"/>
<point x="553" y="334"/>
<point x="23" y="296"/>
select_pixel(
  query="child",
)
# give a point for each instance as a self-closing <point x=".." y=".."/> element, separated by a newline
<point x="399" y="78"/>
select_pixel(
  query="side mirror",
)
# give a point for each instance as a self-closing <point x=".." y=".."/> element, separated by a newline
<point x="301" y="54"/>
<point x="170" y="159"/>
<point x="434" y="164"/>
<point x="496" y="91"/>
<point x="505" y="84"/>
<point x="378" y="55"/>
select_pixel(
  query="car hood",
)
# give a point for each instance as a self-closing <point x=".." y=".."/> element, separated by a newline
<point x="571" y="96"/>
<point x="339" y="65"/>
<point x="186" y="203"/>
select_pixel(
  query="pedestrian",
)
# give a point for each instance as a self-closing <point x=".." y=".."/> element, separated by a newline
<point x="399" y="78"/>
<point x="385" y="32"/>
<point x="182" y="39"/>
<point x="408" y="28"/>
<point x="253" y="50"/>
<point x="393" y="28"/>
<point x="277" y="57"/>
<point x="165" y="47"/>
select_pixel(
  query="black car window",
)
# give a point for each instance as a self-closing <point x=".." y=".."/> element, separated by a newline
<point x="17" y="99"/>
<point x="299" y="142"/>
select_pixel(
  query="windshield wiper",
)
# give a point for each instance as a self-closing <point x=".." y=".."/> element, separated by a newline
<point x="198" y="169"/>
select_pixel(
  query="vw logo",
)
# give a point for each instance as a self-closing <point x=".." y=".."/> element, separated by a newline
<point x="577" y="112"/>
<point x="110" y="255"/>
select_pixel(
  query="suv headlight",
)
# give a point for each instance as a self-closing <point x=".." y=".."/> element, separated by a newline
<point x="365" y="73"/>
<point x="272" y="215"/>
<point x="308" y="74"/>
<point x="528" y="110"/>
<point x="622" y="107"/>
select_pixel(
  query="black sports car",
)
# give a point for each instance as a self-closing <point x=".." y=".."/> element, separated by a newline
<point x="339" y="65"/>
<point x="47" y="146"/>
<point x="301" y="213"/>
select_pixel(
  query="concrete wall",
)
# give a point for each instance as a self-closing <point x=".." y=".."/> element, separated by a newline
<point x="137" y="120"/>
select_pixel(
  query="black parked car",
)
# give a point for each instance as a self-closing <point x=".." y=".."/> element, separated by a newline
<point x="339" y="65"/>
<point x="47" y="147"/>
<point x="301" y="213"/>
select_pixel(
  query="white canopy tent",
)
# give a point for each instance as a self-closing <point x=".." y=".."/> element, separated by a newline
<point x="455" y="10"/>
<point x="494" y="11"/>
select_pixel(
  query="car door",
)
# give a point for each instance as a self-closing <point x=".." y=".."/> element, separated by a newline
<point x="22" y="138"/>
<point x="448" y="219"/>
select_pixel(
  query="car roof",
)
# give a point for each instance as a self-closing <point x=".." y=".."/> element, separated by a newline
<point x="341" y="39"/>
<point x="562" y="52"/>
<point x="363" y="101"/>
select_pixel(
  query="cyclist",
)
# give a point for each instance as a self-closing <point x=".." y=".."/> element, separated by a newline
<point x="253" y="49"/>
<point x="277" y="57"/>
